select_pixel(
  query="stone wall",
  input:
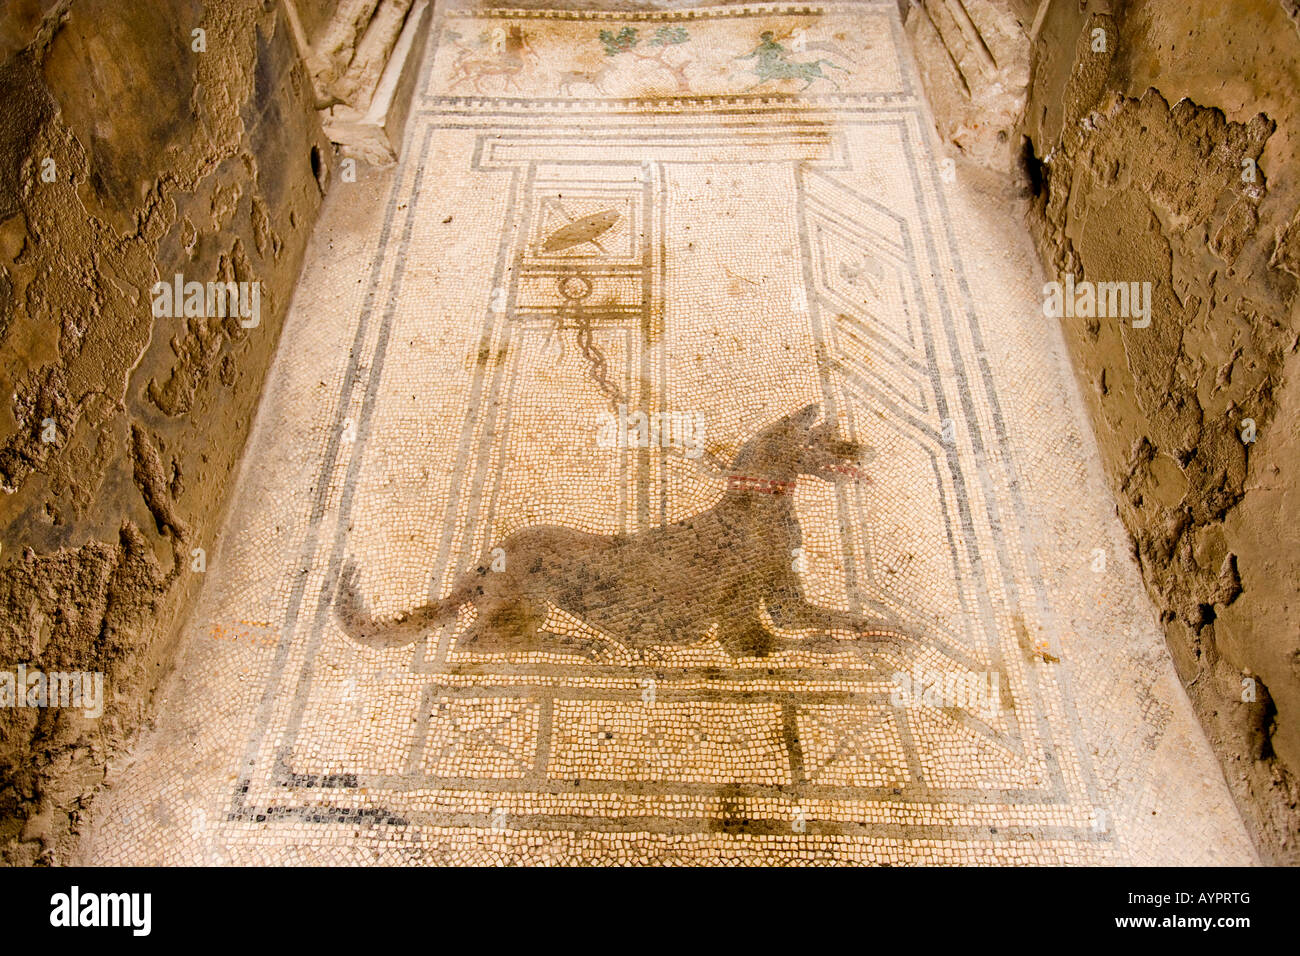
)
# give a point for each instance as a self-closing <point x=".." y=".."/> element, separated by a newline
<point x="973" y="56"/>
<point x="1161" y="146"/>
<point x="362" y="57"/>
<point x="131" y="149"/>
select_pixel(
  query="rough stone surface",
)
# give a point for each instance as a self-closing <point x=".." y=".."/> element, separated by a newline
<point x="120" y="432"/>
<point x="349" y="46"/>
<point x="1170" y="156"/>
<point x="973" y="56"/>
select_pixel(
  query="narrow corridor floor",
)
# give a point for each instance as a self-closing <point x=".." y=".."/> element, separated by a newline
<point x="715" y="425"/>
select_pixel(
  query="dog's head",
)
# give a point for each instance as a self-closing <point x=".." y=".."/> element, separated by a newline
<point x="797" y="445"/>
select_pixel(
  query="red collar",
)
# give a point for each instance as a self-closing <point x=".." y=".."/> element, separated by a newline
<point x="767" y="486"/>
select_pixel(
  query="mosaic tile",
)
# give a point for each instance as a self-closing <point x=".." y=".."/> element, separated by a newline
<point x="666" y="464"/>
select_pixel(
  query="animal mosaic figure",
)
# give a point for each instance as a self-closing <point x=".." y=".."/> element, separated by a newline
<point x="728" y="571"/>
<point x="507" y="58"/>
<point x="595" y="79"/>
<point x="772" y="62"/>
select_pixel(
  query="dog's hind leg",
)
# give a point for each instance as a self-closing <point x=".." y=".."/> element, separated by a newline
<point x="517" y="624"/>
<point x="505" y="624"/>
<point x="746" y="637"/>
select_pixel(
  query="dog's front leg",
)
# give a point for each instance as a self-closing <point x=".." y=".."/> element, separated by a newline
<point x="803" y="616"/>
<point x="833" y="629"/>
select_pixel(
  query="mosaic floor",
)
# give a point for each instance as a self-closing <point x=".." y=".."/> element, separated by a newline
<point x="668" y="462"/>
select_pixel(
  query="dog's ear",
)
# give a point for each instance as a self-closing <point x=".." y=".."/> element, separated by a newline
<point x="805" y="417"/>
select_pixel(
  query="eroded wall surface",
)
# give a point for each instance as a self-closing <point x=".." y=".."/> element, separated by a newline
<point x="1164" y="142"/>
<point x="132" y="149"/>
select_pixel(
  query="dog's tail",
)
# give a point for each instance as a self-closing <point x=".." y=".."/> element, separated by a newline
<point x="408" y="627"/>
